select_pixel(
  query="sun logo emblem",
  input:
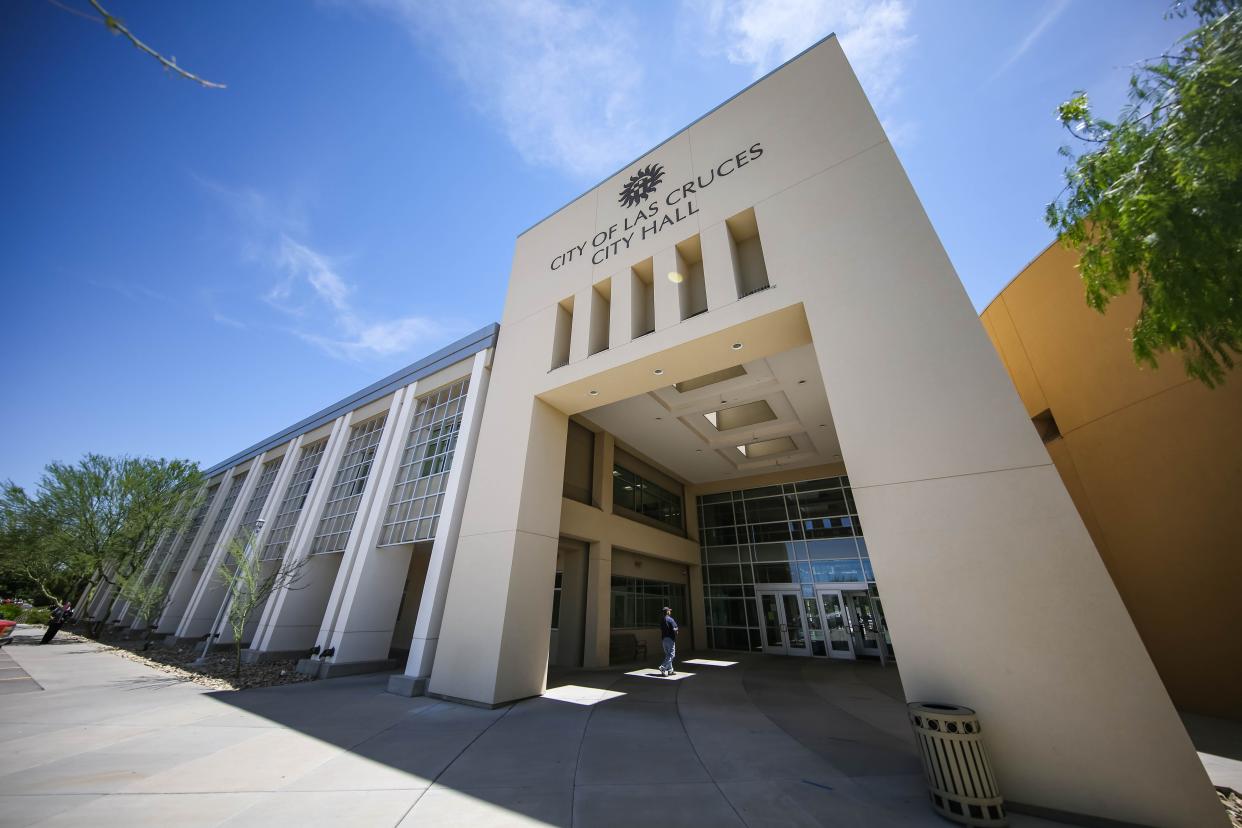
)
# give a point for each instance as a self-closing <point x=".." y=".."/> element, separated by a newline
<point x="641" y="185"/>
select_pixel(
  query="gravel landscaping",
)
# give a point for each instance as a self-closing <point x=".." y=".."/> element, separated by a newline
<point x="177" y="660"/>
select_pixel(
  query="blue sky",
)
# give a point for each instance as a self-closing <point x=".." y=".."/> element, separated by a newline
<point x="189" y="270"/>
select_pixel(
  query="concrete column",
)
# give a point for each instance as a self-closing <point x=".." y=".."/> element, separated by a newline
<point x="598" y="622"/>
<point x="494" y="641"/>
<point x="719" y="265"/>
<point x="292" y="616"/>
<point x="186" y="579"/>
<point x="580" y="332"/>
<point x="698" y="608"/>
<point x="205" y="602"/>
<point x="427" y="627"/>
<point x="362" y="609"/>
<point x="288" y="462"/>
<point x="667" y="294"/>
<point x="620" y="311"/>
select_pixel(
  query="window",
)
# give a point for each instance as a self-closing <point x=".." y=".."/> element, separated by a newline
<point x="418" y="493"/>
<point x="222" y="518"/>
<point x="640" y="496"/>
<point x="286" y="519"/>
<point x="637" y="602"/>
<point x="351" y="479"/>
<point x="261" y="490"/>
<point x="1046" y="425"/>
<point x="803" y="533"/>
<point x="196" y="524"/>
<point x="579" y="463"/>
<point x="556" y="601"/>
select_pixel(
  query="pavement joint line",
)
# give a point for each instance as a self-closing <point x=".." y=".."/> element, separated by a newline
<point x="452" y="761"/>
<point x="681" y="719"/>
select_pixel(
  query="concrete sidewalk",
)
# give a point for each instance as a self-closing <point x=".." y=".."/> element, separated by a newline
<point x="765" y="741"/>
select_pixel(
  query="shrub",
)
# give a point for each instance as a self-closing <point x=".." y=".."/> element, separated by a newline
<point x="37" y="616"/>
<point x="11" y="612"/>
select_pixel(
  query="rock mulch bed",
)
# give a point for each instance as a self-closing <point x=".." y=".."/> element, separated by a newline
<point x="217" y="672"/>
<point x="1232" y="801"/>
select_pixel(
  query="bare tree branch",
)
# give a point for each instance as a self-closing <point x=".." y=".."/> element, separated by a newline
<point x="117" y="27"/>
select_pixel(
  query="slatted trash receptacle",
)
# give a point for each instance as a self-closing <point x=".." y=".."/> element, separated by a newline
<point x="962" y="785"/>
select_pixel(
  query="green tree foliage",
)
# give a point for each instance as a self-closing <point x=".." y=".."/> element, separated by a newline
<point x="94" y="521"/>
<point x="1156" y="198"/>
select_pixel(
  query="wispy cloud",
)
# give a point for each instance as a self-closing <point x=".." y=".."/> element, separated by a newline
<point x="308" y="287"/>
<point x="132" y="291"/>
<point x="566" y="82"/>
<point x="762" y="34"/>
<point x="1055" y="9"/>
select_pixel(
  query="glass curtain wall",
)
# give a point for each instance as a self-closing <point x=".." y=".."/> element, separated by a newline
<point x="418" y="493"/>
<point x="222" y="517"/>
<point x="295" y="498"/>
<point x="802" y="534"/>
<point x="345" y="496"/>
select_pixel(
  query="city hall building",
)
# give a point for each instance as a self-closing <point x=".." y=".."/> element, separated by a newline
<point x="739" y="378"/>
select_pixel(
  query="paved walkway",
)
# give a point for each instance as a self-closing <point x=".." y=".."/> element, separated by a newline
<point x="765" y="741"/>
<point x="13" y="679"/>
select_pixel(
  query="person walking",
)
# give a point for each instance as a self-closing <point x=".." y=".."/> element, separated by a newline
<point x="61" y="616"/>
<point x="668" y="637"/>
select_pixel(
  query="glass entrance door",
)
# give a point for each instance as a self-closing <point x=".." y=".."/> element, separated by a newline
<point x="784" y="625"/>
<point x="837" y="626"/>
<point x="864" y="623"/>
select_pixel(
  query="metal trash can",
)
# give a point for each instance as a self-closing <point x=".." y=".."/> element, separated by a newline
<point x="962" y="785"/>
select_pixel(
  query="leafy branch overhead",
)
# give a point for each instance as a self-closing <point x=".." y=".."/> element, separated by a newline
<point x="1154" y="200"/>
<point x="115" y="26"/>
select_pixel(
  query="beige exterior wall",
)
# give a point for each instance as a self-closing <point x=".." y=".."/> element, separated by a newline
<point x="1152" y="460"/>
<point x="989" y="575"/>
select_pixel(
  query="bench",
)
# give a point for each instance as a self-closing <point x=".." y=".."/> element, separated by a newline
<point x="625" y="647"/>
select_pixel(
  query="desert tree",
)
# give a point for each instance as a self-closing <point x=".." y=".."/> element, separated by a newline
<point x="249" y="582"/>
<point x="1153" y="202"/>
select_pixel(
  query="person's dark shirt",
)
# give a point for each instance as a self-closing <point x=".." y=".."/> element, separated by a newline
<point x="668" y="627"/>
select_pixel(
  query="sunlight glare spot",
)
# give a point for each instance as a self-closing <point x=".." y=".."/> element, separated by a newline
<point x="576" y="694"/>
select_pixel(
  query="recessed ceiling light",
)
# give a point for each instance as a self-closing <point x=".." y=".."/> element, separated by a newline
<point x="593" y="393"/>
<point x="737" y="346"/>
<point x="823" y="425"/>
<point x="801" y="382"/>
<point x="675" y="277"/>
<point x="659" y="418"/>
<point x="698" y="451"/>
<point x="658" y="371"/>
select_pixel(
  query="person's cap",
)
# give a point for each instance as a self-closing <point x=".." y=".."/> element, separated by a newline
<point x="668" y="609"/>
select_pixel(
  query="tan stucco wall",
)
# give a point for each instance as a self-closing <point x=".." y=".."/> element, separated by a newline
<point x="1152" y="460"/>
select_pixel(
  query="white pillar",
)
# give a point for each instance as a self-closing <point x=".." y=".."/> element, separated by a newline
<point x="288" y="462"/>
<point x="185" y="580"/>
<point x="292" y="615"/>
<point x="620" y="311"/>
<point x="358" y="622"/>
<point x="598" y="620"/>
<point x="719" y="266"/>
<point x="580" y="331"/>
<point x="667" y="294"/>
<point x="205" y="602"/>
<point x="443" y="551"/>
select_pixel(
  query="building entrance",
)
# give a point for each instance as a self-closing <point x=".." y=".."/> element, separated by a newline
<point x="837" y="623"/>
<point x="784" y="623"/>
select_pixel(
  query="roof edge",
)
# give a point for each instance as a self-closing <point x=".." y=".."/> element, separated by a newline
<point x="481" y="339"/>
